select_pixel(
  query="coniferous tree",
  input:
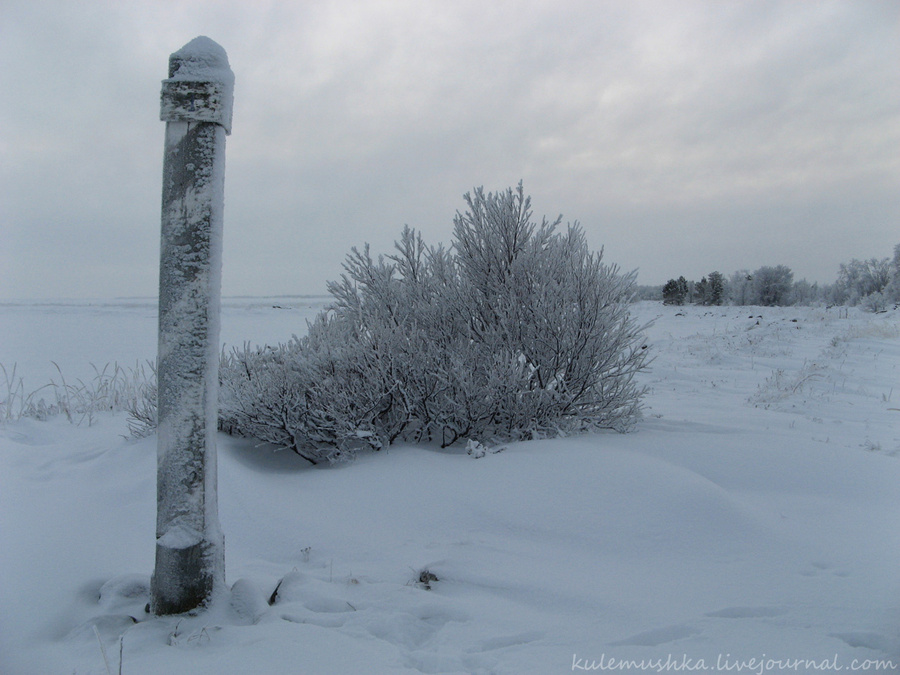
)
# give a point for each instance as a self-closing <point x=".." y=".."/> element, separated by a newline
<point x="716" y="289"/>
<point x="684" y="291"/>
<point x="701" y="290"/>
<point x="670" y="293"/>
<point x="676" y="291"/>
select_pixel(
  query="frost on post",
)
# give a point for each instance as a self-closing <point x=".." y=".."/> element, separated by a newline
<point x="196" y="105"/>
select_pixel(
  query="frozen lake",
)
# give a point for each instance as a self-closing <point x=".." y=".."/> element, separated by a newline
<point x="76" y="334"/>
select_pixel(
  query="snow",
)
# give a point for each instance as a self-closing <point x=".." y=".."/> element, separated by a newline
<point x="180" y="535"/>
<point x="200" y="87"/>
<point x="749" y="524"/>
<point x="202" y="59"/>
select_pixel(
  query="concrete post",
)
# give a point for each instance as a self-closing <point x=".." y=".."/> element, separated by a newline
<point x="196" y="105"/>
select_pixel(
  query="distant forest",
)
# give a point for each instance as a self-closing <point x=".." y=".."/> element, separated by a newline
<point x="872" y="284"/>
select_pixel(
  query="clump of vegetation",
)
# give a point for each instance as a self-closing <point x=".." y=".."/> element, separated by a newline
<point x="426" y="578"/>
<point x="112" y="388"/>
<point x="515" y="331"/>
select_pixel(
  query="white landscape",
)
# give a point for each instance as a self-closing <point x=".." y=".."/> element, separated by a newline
<point x="750" y="523"/>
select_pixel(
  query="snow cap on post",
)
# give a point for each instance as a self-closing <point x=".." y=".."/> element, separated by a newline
<point x="200" y="87"/>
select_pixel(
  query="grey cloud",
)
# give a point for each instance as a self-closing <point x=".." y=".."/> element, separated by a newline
<point x="682" y="135"/>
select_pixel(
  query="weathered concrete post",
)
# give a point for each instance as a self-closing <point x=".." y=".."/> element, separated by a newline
<point x="196" y="105"/>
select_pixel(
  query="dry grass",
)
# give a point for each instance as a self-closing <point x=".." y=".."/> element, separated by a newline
<point x="111" y="389"/>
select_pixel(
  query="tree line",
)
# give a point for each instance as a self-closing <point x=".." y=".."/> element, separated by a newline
<point x="873" y="284"/>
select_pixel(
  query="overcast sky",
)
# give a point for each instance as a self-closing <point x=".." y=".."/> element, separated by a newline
<point x="685" y="137"/>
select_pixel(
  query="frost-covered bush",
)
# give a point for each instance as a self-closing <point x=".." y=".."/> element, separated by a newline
<point x="740" y="288"/>
<point x="893" y="289"/>
<point x="807" y="294"/>
<point x="859" y="279"/>
<point x="875" y="302"/>
<point x="772" y="285"/>
<point x="516" y="331"/>
<point x="295" y="395"/>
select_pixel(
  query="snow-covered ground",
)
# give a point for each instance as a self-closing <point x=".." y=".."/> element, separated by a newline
<point x="751" y="524"/>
